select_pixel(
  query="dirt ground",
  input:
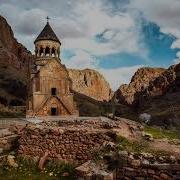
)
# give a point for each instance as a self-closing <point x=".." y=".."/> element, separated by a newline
<point x="133" y="132"/>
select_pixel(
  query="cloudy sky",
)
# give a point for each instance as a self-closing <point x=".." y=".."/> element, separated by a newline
<point x="115" y="37"/>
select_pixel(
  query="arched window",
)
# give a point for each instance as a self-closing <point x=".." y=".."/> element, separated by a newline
<point x="47" y="51"/>
<point x="53" y="52"/>
<point x="58" y="52"/>
<point x="36" y="51"/>
<point x="41" y="51"/>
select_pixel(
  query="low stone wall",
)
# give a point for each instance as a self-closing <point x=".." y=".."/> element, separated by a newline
<point x="128" y="172"/>
<point x="157" y="172"/>
<point x="8" y="140"/>
<point x="72" y="144"/>
<point x="123" y="165"/>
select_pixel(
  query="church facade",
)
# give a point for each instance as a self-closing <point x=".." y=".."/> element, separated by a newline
<point x="49" y="89"/>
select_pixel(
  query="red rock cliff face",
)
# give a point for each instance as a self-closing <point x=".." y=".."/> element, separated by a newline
<point x="14" y="59"/>
<point x="156" y="92"/>
<point x="161" y="98"/>
<point x="90" y="83"/>
<point x="127" y="94"/>
<point x="167" y="82"/>
<point x="12" y="52"/>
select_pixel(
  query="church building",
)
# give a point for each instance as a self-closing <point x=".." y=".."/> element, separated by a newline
<point x="49" y="89"/>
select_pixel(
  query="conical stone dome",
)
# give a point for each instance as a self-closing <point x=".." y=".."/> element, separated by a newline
<point x="47" y="34"/>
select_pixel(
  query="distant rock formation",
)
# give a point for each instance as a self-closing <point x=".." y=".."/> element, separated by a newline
<point x="127" y="94"/>
<point x="167" y="82"/>
<point x="90" y="83"/>
<point x="155" y="92"/>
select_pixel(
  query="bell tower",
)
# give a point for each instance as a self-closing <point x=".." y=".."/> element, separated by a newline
<point x="47" y="45"/>
<point x="49" y="88"/>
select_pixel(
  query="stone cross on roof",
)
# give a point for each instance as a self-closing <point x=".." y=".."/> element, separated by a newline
<point x="47" y="18"/>
<point x="47" y="33"/>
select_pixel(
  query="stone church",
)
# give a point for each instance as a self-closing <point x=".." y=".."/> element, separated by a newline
<point x="49" y="83"/>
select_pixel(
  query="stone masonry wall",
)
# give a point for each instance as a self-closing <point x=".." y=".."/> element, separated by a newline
<point x="71" y="144"/>
<point x="129" y="170"/>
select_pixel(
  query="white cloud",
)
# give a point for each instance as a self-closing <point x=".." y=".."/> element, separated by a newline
<point x="115" y="77"/>
<point x="165" y="13"/>
<point x="177" y="60"/>
<point x="76" y="24"/>
<point x="121" y="25"/>
<point x="119" y="76"/>
<point x="81" y="60"/>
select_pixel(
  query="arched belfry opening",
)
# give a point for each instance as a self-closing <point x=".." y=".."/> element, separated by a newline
<point x="47" y="51"/>
<point x="41" y="51"/>
<point x="53" y="52"/>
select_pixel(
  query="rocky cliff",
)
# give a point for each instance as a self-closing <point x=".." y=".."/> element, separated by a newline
<point x="167" y="82"/>
<point x="90" y="83"/>
<point x="156" y="92"/>
<point x="127" y="94"/>
<point x="14" y="59"/>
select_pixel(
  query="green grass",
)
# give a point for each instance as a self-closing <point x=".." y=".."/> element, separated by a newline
<point x="131" y="146"/>
<point x="138" y="147"/>
<point x="161" y="133"/>
<point x="28" y="170"/>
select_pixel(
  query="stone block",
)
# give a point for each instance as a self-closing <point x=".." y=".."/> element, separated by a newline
<point x="130" y="172"/>
<point x="151" y="171"/>
<point x="1" y="150"/>
<point x="165" y="176"/>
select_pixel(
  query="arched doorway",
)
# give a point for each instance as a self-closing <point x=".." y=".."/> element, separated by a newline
<point x="54" y="110"/>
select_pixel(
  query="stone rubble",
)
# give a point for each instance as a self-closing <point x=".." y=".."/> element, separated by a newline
<point x="129" y="166"/>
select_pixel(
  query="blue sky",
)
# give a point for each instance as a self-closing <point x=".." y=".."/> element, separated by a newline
<point x="115" y="37"/>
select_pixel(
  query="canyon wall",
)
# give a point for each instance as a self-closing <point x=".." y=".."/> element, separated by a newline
<point x="127" y="93"/>
<point x="156" y="92"/>
<point x="90" y="83"/>
<point x="14" y="60"/>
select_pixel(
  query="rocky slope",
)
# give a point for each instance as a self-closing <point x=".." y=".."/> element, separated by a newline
<point x="127" y="94"/>
<point x="14" y="59"/>
<point x="90" y="83"/>
<point x="156" y="92"/>
<point x="162" y="98"/>
<point x="167" y="82"/>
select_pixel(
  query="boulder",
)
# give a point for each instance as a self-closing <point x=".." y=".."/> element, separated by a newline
<point x="43" y="160"/>
<point x="11" y="161"/>
<point x="145" y="117"/>
<point x="84" y="169"/>
<point x="148" y="136"/>
<point x="1" y="150"/>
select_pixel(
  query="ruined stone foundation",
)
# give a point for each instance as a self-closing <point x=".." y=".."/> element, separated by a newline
<point x="72" y="141"/>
